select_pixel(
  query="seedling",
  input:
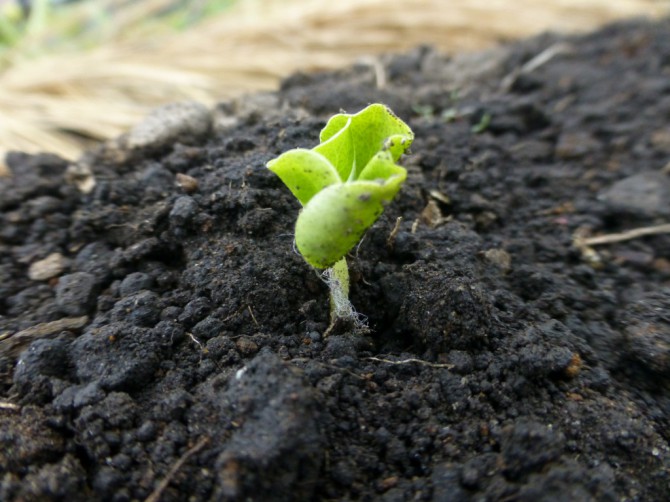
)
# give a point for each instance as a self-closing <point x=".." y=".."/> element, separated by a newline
<point x="344" y="184"/>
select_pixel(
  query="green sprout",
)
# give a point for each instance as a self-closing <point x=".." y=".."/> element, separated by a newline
<point x="483" y="124"/>
<point x="344" y="184"/>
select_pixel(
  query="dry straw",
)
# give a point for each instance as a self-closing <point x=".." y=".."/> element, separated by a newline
<point x="61" y="100"/>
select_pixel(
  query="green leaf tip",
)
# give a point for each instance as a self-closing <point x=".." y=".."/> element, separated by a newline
<point x="345" y="182"/>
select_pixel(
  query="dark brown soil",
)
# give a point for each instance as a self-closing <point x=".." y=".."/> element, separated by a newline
<point x="175" y="344"/>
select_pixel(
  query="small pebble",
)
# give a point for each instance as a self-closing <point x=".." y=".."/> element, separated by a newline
<point x="500" y="258"/>
<point x="75" y="293"/>
<point x="181" y="122"/>
<point x="574" y="145"/>
<point x="660" y="140"/>
<point x="187" y="183"/>
<point x="246" y="346"/>
<point x="644" y="194"/>
<point x="134" y="282"/>
<point x="183" y="211"/>
<point x="51" y="266"/>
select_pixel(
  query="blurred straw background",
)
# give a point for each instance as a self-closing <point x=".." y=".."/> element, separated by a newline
<point x="87" y="71"/>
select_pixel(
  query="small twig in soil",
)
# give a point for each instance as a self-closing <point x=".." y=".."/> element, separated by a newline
<point x="415" y="225"/>
<point x="624" y="236"/>
<point x="329" y="366"/>
<point x="391" y="239"/>
<point x="234" y="314"/>
<point x="360" y="243"/>
<point x="6" y="405"/>
<point x="197" y="342"/>
<point x="253" y="317"/>
<point x="12" y="343"/>
<point x="410" y="361"/>
<point x="536" y="62"/>
<point x="379" y="70"/>
<point x="158" y="491"/>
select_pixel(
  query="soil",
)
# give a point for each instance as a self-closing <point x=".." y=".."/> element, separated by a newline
<point x="161" y="340"/>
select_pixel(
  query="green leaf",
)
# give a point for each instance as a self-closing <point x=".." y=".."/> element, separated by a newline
<point x="304" y="172"/>
<point x="339" y="148"/>
<point x="333" y="222"/>
<point x="350" y="141"/>
<point x="345" y="182"/>
<point x="382" y="167"/>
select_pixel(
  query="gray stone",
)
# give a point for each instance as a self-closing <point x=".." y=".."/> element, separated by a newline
<point x="183" y="211"/>
<point x="43" y="357"/>
<point x="76" y="293"/>
<point x="135" y="282"/>
<point x="644" y="194"/>
<point x="183" y="122"/>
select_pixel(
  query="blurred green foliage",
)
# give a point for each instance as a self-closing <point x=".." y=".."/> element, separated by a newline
<point x="34" y="27"/>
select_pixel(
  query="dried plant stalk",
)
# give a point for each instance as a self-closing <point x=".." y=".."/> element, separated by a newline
<point x="101" y="92"/>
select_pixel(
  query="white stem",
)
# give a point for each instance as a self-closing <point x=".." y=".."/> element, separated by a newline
<point x="342" y="312"/>
<point x="338" y="282"/>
